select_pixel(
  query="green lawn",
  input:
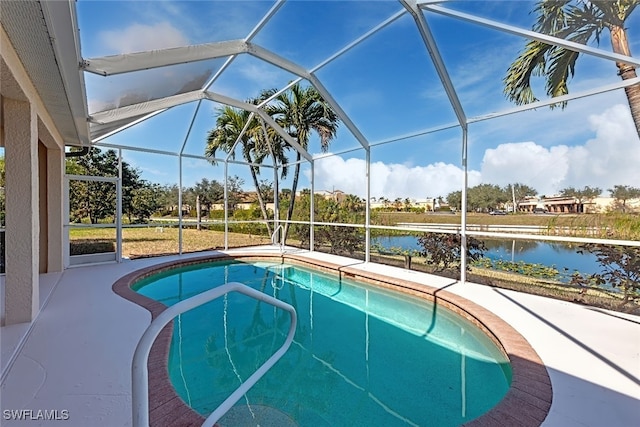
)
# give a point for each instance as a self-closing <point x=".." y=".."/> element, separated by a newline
<point x="145" y="241"/>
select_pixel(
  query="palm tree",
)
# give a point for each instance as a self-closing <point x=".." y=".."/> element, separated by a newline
<point x="397" y="203"/>
<point x="302" y="111"/>
<point x="385" y="202"/>
<point x="229" y="125"/>
<point x="579" y="21"/>
<point x="353" y="203"/>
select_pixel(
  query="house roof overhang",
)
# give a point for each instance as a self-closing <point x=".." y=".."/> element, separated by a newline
<point x="43" y="36"/>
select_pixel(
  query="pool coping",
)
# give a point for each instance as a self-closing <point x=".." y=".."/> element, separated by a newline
<point x="526" y="403"/>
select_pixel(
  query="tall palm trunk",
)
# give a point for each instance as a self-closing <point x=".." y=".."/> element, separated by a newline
<point x="294" y="187"/>
<point x="620" y="45"/>
<point x="263" y="209"/>
<point x="198" y="213"/>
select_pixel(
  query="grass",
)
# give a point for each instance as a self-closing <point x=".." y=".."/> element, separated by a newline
<point x="609" y="225"/>
<point x="143" y="242"/>
<point x="589" y="296"/>
<point x="154" y="241"/>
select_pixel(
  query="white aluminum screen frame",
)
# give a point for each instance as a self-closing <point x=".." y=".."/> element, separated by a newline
<point x="418" y="9"/>
<point x="117" y="216"/>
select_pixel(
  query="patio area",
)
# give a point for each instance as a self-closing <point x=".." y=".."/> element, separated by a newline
<point x="411" y="113"/>
<point x="76" y="355"/>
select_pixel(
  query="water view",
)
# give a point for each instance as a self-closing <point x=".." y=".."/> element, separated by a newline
<point x="562" y="256"/>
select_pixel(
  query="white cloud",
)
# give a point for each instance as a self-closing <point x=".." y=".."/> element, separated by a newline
<point x="526" y="162"/>
<point x="141" y="37"/>
<point x="262" y="75"/>
<point x="611" y="157"/>
<point x="160" y="173"/>
<point x="390" y="180"/>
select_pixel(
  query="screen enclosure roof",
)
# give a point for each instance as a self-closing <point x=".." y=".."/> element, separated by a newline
<point x="104" y="66"/>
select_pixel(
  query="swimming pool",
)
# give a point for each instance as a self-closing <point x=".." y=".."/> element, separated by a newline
<point x="361" y="355"/>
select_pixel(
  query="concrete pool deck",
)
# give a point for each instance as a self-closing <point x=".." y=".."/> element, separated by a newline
<point x="76" y="356"/>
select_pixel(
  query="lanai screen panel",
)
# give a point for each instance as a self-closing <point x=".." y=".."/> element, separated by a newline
<point x="111" y="92"/>
<point x="592" y="143"/>
<point x="164" y="131"/>
<point x="370" y="57"/>
<point x="246" y="77"/>
<point x="388" y="85"/>
<point x="117" y="27"/>
<point x="419" y="168"/>
<point x="310" y="32"/>
<point x="478" y="54"/>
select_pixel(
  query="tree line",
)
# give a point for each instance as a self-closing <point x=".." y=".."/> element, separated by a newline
<point x="95" y="201"/>
<point x="141" y="199"/>
<point x="487" y="197"/>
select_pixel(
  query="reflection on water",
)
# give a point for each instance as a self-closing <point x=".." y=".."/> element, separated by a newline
<point x="562" y="256"/>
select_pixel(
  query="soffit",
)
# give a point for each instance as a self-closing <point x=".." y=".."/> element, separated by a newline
<point x="24" y="24"/>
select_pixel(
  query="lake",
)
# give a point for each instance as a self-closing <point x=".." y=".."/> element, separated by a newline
<point x="562" y="256"/>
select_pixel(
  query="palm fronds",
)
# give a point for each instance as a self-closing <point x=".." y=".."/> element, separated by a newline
<point x="575" y="20"/>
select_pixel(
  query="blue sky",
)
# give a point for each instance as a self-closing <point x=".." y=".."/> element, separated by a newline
<point x="387" y="85"/>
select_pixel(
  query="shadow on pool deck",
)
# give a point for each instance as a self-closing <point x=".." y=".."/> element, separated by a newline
<point x="600" y="356"/>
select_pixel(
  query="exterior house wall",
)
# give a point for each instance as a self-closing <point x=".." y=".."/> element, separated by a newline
<point x="571" y="205"/>
<point x="607" y="204"/>
<point x="34" y="161"/>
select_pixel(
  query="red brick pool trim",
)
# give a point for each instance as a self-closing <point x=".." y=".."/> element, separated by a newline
<point x="527" y="402"/>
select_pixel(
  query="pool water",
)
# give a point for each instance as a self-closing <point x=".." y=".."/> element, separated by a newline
<point x="360" y="357"/>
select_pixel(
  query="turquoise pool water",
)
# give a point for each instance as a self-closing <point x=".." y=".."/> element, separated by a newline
<point x="360" y="357"/>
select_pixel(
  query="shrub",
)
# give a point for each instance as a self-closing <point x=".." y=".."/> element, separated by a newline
<point x="216" y="214"/>
<point x="620" y="269"/>
<point x="247" y="214"/>
<point x="444" y="249"/>
<point x="88" y="246"/>
<point x="340" y="239"/>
